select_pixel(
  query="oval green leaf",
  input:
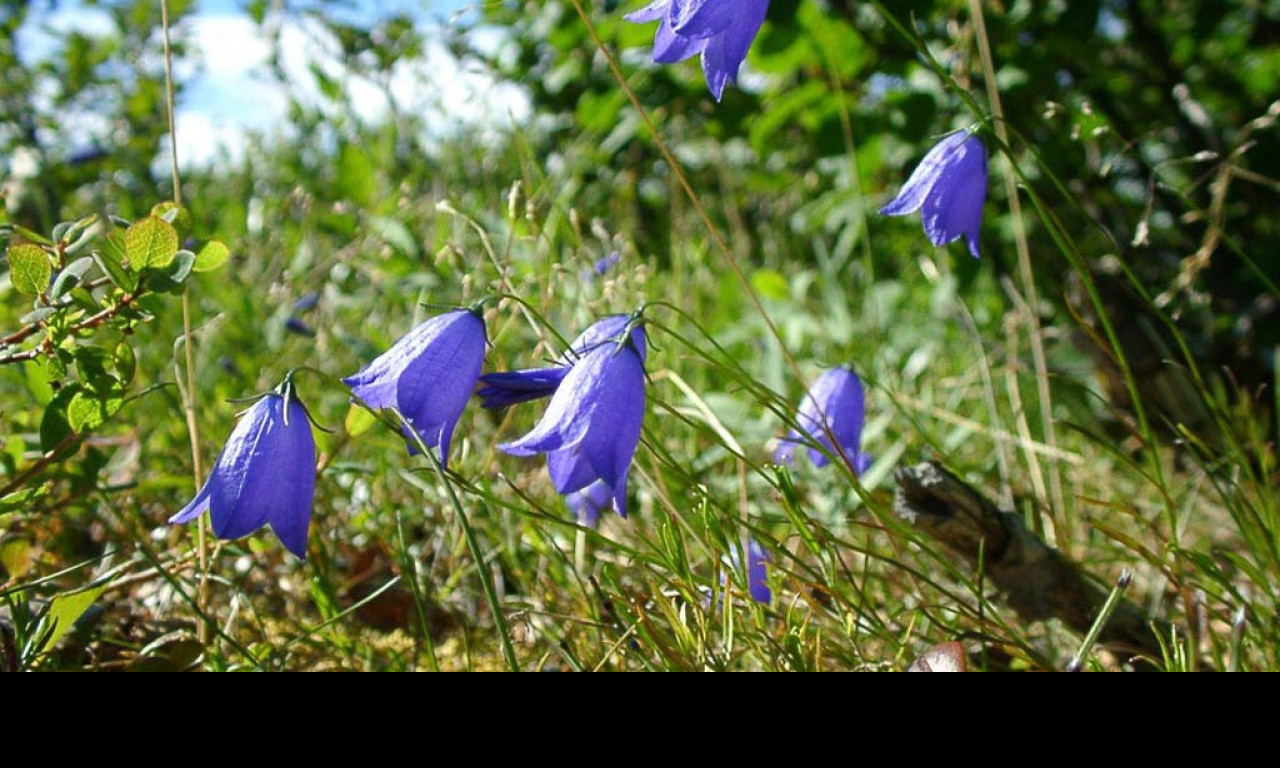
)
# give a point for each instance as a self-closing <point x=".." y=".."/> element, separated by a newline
<point x="212" y="256"/>
<point x="29" y="268"/>
<point x="770" y="284"/>
<point x="359" y="421"/>
<point x="87" y="412"/>
<point x="150" y="242"/>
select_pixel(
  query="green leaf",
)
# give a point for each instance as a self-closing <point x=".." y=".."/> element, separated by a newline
<point x="92" y="362"/>
<point x="85" y="300"/>
<point x="170" y="278"/>
<point x="38" y="380"/>
<point x="150" y="243"/>
<point x="65" y="609"/>
<point x="38" y="315"/>
<point x="34" y="237"/>
<point x="173" y="214"/>
<point x="110" y="258"/>
<point x="359" y="421"/>
<point x="356" y="180"/>
<point x="29" y="268"/>
<point x="126" y="363"/>
<point x="87" y="412"/>
<point x="212" y="256"/>
<point x="15" y="558"/>
<point x="14" y="447"/>
<point x="79" y="233"/>
<point x="182" y="265"/>
<point x="70" y="277"/>
<point x="54" y="427"/>
<point x="395" y="234"/>
<point x="770" y="284"/>
<point x="21" y="500"/>
<point x="174" y="652"/>
<point x="257" y="10"/>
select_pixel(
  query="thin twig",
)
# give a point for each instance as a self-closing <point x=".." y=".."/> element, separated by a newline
<point x="189" y="396"/>
<point x="31" y="329"/>
<point x="48" y="458"/>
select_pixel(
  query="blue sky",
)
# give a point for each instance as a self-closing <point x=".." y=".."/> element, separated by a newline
<point x="230" y="93"/>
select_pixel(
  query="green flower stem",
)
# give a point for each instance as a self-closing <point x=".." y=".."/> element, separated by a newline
<point x="473" y="544"/>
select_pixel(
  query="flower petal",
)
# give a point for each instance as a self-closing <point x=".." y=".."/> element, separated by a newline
<point x="725" y="52"/>
<point x="652" y="12"/>
<point x="570" y="470"/>
<point x="846" y="410"/>
<point x="620" y="496"/>
<point x="955" y="208"/>
<point x="669" y="48"/>
<point x="377" y="382"/>
<point x="785" y="453"/>
<point x="294" y="470"/>
<point x="588" y="503"/>
<point x="429" y="374"/>
<point x="433" y="389"/>
<point x="925" y="177"/>
<point x="618" y="418"/>
<point x="834" y="406"/>
<point x="758" y="573"/>
<point x="198" y="506"/>
<point x="237" y="480"/>
<point x="509" y="388"/>
<point x="721" y="30"/>
<point x="568" y="416"/>
<point x="704" y="18"/>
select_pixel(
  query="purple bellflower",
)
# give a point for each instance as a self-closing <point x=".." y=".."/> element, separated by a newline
<point x="836" y="402"/>
<point x="601" y="267"/>
<point x="757" y="572"/>
<point x="592" y="426"/>
<point x="507" y="388"/>
<point x="428" y="375"/>
<point x="721" y="30"/>
<point x="948" y="188"/>
<point x="265" y="475"/>
<point x="610" y="261"/>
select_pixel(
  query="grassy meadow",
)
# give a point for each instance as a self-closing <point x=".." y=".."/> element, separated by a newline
<point x="1076" y="375"/>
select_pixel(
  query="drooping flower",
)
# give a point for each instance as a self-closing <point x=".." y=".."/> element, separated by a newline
<point x="592" y="424"/>
<point x="835" y="404"/>
<point x="297" y="325"/>
<point x="428" y="375"/>
<point x="508" y="388"/>
<point x="265" y="475"/>
<point x="948" y="188"/>
<point x="721" y="30"/>
<point x="607" y="263"/>
<point x="758" y="573"/>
